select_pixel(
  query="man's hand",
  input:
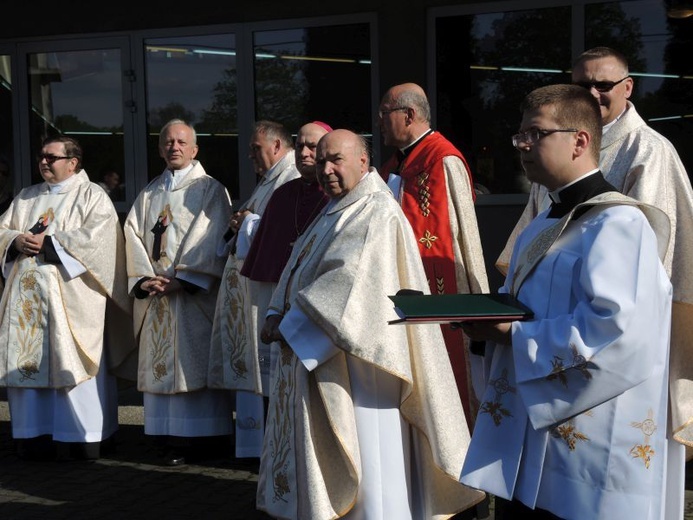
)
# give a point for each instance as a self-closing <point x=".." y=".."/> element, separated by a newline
<point x="498" y="332"/>
<point x="29" y="244"/>
<point x="160" y="285"/>
<point x="270" y="330"/>
<point x="237" y="219"/>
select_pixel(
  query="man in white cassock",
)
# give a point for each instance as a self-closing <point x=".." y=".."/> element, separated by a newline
<point x="174" y="275"/>
<point x="63" y="260"/>
<point x="573" y="421"/>
<point x="364" y="417"/>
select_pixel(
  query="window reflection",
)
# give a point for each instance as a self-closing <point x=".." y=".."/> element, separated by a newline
<point x="6" y="169"/>
<point x="311" y="73"/>
<point x="195" y="79"/>
<point x="658" y="50"/>
<point x="79" y="93"/>
<point x="500" y="57"/>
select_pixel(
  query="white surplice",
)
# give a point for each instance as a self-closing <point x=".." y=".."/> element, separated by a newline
<point x="574" y="418"/>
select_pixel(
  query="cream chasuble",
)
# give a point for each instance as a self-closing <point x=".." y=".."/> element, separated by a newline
<point x="241" y="305"/>
<point x="236" y="350"/>
<point x="359" y="251"/>
<point x="171" y="233"/>
<point x="52" y="322"/>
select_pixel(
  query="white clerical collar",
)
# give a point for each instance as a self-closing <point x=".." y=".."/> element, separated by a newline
<point x="57" y="187"/>
<point x="174" y="177"/>
<point x="608" y="126"/>
<point x="413" y="143"/>
<point x="556" y="194"/>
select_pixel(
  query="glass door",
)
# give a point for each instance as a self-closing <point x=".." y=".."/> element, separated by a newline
<point x="82" y="89"/>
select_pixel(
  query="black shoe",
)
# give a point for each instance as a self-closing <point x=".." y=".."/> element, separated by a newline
<point x="85" y="450"/>
<point x="175" y="457"/>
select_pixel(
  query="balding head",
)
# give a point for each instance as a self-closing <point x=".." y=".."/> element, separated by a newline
<point x="404" y="114"/>
<point x="342" y="161"/>
<point x="306" y="144"/>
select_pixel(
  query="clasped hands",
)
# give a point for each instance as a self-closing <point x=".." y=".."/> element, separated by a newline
<point x="237" y="219"/>
<point x="29" y="244"/>
<point x="160" y="285"/>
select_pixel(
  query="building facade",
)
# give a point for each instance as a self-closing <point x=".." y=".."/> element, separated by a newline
<point x="111" y="75"/>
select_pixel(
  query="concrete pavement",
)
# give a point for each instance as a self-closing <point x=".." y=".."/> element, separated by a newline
<point x="127" y="484"/>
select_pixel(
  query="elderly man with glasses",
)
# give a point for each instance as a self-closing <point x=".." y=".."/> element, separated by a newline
<point x="643" y="164"/>
<point x="433" y="184"/>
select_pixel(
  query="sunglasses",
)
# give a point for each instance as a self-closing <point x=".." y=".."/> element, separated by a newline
<point x="599" y="86"/>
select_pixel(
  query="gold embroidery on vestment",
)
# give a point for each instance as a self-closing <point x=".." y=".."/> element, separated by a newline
<point x="280" y="426"/>
<point x="29" y="305"/>
<point x="428" y="239"/>
<point x="424" y="193"/>
<point x="161" y="335"/>
<point x="645" y="451"/>
<point x="495" y="408"/>
<point x="235" y="329"/>
<point x="569" y="434"/>
<point x="579" y="363"/>
<point x="440" y="285"/>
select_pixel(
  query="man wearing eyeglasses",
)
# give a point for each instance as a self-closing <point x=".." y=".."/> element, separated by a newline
<point x="573" y="423"/>
<point x="63" y="262"/>
<point x="643" y="164"/>
<point x="433" y="184"/>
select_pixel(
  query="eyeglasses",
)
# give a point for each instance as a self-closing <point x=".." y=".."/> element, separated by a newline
<point x="382" y="113"/>
<point x="599" y="86"/>
<point x="533" y="136"/>
<point x="50" y="159"/>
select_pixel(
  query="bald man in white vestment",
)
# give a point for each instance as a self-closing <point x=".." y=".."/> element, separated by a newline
<point x="364" y="419"/>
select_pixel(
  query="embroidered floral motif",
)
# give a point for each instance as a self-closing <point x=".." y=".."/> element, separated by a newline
<point x="533" y="252"/>
<point x="424" y="193"/>
<point x="279" y="424"/>
<point x="569" y="434"/>
<point x="160" y="336"/>
<point x="234" y="325"/>
<point x="30" y="311"/>
<point x="645" y="451"/>
<point x="579" y="363"/>
<point x="495" y="408"/>
<point x="428" y="239"/>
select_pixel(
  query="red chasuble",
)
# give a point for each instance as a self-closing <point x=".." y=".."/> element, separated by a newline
<point x="289" y="212"/>
<point x="425" y="203"/>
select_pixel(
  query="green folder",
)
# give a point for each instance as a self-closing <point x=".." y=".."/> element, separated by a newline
<point x="449" y="308"/>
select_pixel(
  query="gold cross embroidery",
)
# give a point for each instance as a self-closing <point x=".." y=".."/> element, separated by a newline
<point x="428" y="239"/>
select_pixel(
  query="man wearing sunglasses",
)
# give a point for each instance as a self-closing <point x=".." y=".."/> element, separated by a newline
<point x="63" y="261"/>
<point x="643" y="164"/>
